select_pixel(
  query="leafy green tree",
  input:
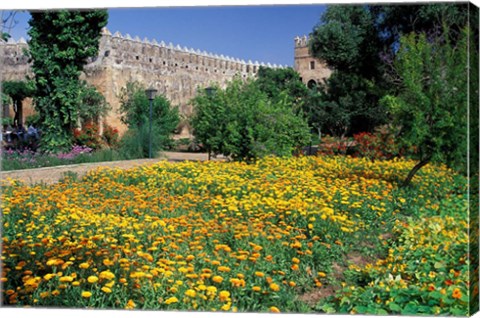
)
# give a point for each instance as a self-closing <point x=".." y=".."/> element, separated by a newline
<point x="360" y="42"/>
<point x="18" y="91"/>
<point x="393" y="21"/>
<point x="92" y="105"/>
<point x="60" y="44"/>
<point x="431" y="107"/>
<point x="346" y="39"/>
<point x="275" y="81"/>
<point x="242" y="122"/>
<point x="134" y="106"/>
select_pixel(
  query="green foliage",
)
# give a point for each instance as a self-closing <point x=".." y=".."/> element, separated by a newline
<point x="33" y="119"/>
<point x="18" y="90"/>
<point x="242" y="122"/>
<point x="87" y="136"/>
<point x="431" y="107"/>
<point x="92" y="104"/>
<point x="60" y="44"/>
<point x="347" y="40"/>
<point x="393" y="21"/>
<point x="135" y="109"/>
<point x="274" y="81"/>
<point x="110" y="136"/>
<point x="349" y="104"/>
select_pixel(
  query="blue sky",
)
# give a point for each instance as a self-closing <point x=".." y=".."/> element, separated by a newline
<point x="257" y="33"/>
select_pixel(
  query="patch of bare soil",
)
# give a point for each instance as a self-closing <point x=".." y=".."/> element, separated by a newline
<point x="312" y="298"/>
<point x="358" y="259"/>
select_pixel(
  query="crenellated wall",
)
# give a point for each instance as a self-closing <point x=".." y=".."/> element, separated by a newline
<point x="176" y="72"/>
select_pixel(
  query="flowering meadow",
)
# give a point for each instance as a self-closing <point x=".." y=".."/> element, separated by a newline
<point x="307" y="234"/>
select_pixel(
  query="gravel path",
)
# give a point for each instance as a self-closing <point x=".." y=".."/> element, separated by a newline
<point x="51" y="175"/>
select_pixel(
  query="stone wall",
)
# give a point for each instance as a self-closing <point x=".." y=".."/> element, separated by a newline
<point x="312" y="70"/>
<point x="176" y="72"/>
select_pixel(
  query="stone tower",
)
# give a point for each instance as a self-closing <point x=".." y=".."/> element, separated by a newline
<point x="312" y="70"/>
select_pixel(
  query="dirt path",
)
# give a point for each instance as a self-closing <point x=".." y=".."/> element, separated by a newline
<point x="51" y="175"/>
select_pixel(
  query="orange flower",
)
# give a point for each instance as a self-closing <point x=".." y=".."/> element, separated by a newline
<point x="217" y="279"/>
<point x="274" y="287"/>
<point x="274" y="309"/>
<point x="457" y="294"/>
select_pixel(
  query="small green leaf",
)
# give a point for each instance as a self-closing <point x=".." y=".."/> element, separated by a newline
<point x="394" y="307"/>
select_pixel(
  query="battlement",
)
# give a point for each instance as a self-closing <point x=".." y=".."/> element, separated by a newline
<point x="137" y="45"/>
<point x="301" y="41"/>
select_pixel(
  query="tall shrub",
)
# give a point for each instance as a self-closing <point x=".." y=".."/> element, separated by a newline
<point x="60" y="44"/>
<point x="243" y="123"/>
<point x="135" y="109"/>
<point x="431" y="107"/>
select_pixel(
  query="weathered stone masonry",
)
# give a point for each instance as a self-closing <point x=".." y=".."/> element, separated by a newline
<point x="176" y="72"/>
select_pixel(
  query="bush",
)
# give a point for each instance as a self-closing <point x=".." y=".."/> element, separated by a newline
<point x="331" y="146"/>
<point x="87" y="136"/>
<point x="110" y="136"/>
<point x="135" y="114"/>
<point x="243" y="123"/>
<point x="379" y="145"/>
<point x="136" y="141"/>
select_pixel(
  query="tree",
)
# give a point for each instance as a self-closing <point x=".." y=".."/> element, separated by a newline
<point x="60" y="44"/>
<point x="431" y="106"/>
<point x="274" y="81"/>
<point x="242" y="122"/>
<point x="134" y="106"/>
<point x="92" y="105"/>
<point x="18" y="91"/>
<point x="360" y="42"/>
<point x="346" y="39"/>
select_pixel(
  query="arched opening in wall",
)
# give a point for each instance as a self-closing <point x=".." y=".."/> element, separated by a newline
<point x="311" y="84"/>
<point x="107" y="53"/>
<point x="137" y="57"/>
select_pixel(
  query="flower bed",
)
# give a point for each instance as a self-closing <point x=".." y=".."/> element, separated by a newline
<point x="231" y="236"/>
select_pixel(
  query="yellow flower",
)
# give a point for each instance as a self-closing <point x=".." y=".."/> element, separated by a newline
<point x="295" y="260"/>
<point x="92" y="279"/>
<point x="106" y="290"/>
<point x="84" y="265"/>
<point x="107" y="275"/>
<point x="44" y="294"/>
<point x="191" y="293"/>
<point x="217" y="279"/>
<point x="274" y="309"/>
<point x="321" y="274"/>
<point x="256" y="288"/>
<point x="130" y="304"/>
<point x="110" y="284"/>
<point x="171" y="300"/>
<point x="259" y="274"/>
<point x="274" y="287"/>
<point x="224" y="295"/>
<point x="86" y="294"/>
<point x="66" y="279"/>
<point x="224" y="268"/>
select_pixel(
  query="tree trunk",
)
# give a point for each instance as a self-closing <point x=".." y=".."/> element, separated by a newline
<point x="414" y="170"/>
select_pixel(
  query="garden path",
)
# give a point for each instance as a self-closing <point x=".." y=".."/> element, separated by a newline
<point x="51" y="175"/>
